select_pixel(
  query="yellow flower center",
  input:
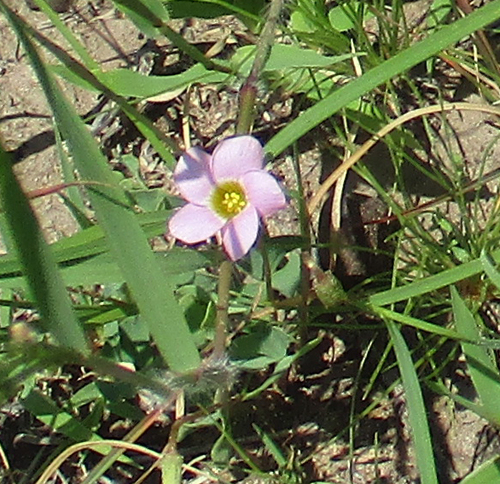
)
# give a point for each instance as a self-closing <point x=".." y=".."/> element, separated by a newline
<point x="229" y="199"/>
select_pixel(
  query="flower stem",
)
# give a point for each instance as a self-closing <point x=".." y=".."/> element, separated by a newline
<point x="225" y="272"/>
<point x="248" y="92"/>
<point x="221" y="324"/>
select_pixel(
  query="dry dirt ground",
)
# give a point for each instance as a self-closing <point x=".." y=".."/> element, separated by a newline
<point x="25" y="120"/>
<point x="462" y="439"/>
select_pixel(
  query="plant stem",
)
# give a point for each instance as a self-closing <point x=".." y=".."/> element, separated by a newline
<point x="225" y="272"/>
<point x="221" y="324"/>
<point x="248" y="92"/>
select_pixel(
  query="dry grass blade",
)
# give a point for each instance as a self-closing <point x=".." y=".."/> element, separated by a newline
<point x="116" y="444"/>
<point x="368" y="145"/>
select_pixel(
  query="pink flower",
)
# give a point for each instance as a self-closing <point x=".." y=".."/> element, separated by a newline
<point x="228" y="191"/>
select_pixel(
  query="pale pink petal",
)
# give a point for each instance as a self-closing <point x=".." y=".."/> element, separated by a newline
<point x="233" y="157"/>
<point x="194" y="223"/>
<point x="263" y="192"/>
<point x="240" y="233"/>
<point x="192" y="176"/>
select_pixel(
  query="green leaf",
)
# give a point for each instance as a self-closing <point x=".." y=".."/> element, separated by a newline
<point x="263" y="346"/>
<point x="440" y="9"/>
<point x="287" y="279"/>
<point x="181" y="9"/>
<point x="271" y="446"/>
<point x="341" y="20"/>
<point x="285" y="57"/>
<point x="300" y="22"/>
<point x="419" y="324"/>
<point x="282" y="366"/>
<point x="104" y="269"/>
<point x="63" y="29"/>
<point x="50" y="414"/>
<point x="125" y="82"/>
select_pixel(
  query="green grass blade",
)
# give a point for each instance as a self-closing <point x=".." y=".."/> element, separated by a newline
<point x="46" y="410"/>
<point x="480" y="359"/>
<point x="38" y="262"/>
<point x="86" y="243"/>
<point x="271" y="446"/>
<point x="153" y="294"/>
<point x="490" y="269"/>
<point x="103" y="269"/>
<point x="488" y="472"/>
<point x="418" y="324"/>
<point x="416" y="408"/>
<point x="431" y="283"/>
<point x="406" y="59"/>
<point x="68" y="34"/>
<point x="73" y="197"/>
<point x="477" y="408"/>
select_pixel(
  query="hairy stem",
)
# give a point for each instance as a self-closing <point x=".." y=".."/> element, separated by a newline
<point x="248" y="92"/>
<point x="225" y="272"/>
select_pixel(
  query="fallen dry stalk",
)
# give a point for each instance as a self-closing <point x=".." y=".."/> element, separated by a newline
<point x="353" y="159"/>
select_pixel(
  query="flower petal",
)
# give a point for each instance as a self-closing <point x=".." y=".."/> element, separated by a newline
<point x="233" y="157"/>
<point x="263" y="192"/>
<point x="240" y="233"/>
<point x="192" y="176"/>
<point x="194" y="223"/>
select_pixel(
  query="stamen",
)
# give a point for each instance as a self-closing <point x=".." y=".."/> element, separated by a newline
<point x="229" y="199"/>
